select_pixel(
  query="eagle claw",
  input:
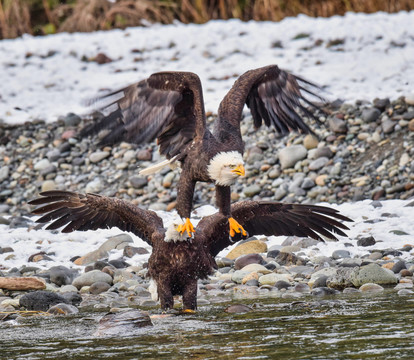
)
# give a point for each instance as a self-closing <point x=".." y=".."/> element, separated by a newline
<point x="235" y="227"/>
<point x="187" y="226"/>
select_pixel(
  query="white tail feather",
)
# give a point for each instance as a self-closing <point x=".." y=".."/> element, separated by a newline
<point x="157" y="167"/>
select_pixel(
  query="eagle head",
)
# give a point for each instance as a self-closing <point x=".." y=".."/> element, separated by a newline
<point x="173" y="235"/>
<point x="225" y="167"/>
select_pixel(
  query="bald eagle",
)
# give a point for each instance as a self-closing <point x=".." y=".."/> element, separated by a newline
<point x="169" y="106"/>
<point x="176" y="263"/>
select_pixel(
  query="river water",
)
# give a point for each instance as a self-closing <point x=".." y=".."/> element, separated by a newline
<point x="352" y="326"/>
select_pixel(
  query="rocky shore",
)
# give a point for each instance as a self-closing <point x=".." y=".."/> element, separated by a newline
<point x="363" y="151"/>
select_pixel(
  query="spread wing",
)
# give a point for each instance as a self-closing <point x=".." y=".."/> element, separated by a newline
<point x="273" y="218"/>
<point x="274" y="97"/>
<point x="91" y="212"/>
<point x="168" y="106"/>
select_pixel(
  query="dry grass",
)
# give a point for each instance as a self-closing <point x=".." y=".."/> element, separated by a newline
<point x="17" y="16"/>
<point x="14" y="18"/>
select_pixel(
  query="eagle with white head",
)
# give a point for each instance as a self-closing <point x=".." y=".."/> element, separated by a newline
<point x="169" y="107"/>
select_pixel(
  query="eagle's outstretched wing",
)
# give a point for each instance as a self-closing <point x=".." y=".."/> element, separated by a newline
<point x="272" y="218"/>
<point x="168" y="106"/>
<point x="90" y="212"/>
<point x="274" y="97"/>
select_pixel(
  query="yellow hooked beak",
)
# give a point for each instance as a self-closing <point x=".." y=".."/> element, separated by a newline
<point x="239" y="170"/>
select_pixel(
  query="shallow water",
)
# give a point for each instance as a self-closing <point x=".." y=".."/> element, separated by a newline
<point x="341" y="327"/>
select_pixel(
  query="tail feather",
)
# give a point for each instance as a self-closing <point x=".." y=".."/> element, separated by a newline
<point x="157" y="167"/>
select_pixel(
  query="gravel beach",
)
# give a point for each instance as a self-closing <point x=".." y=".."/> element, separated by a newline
<point x="364" y="151"/>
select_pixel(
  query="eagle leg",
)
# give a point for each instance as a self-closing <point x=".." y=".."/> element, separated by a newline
<point x="235" y="227"/>
<point x="187" y="226"/>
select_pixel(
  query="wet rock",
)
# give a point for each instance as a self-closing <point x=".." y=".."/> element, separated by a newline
<point x="324" y="291"/>
<point x="124" y="322"/>
<point x="237" y="309"/>
<point x="41" y="300"/>
<point x="72" y="297"/>
<point x="371" y="288"/>
<point x="252" y="190"/>
<point x="63" y="309"/>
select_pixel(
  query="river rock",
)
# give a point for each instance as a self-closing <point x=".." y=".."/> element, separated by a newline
<point x="130" y="251"/>
<point x="244" y="260"/>
<point x="290" y="155"/>
<point x="238" y="276"/>
<point x="337" y="125"/>
<point x="91" y="257"/>
<point x="319" y="163"/>
<point x="366" y="241"/>
<point x="252" y="190"/>
<point x="237" y="309"/>
<point x="116" y="242"/>
<point x="122" y="323"/>
<point x="310" y="141"/>
<point x="370" y="115"/>
<point x="320" y="281"/>
<point x="373" y="273"/>
<point x="256" y="268"/>
<point x="372" y="288"/>
<point x="41" y="300"/>
<point x="288" y="259"/>
<point x="249" y="247"/>
<point x="340" y="254"/>
<point x="22" y="283"/>
<point x="91" y="277"/>
<point x="98" y="156"/>
<point x="99" y="287"/>
<point x="342" y="278"/>
<point x="63" y="309"/>
<point x="61" y="275"/>
<point x="273" y="278"/>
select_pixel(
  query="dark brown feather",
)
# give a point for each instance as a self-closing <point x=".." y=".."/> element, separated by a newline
<point x="273" y="97"/>
<point x="272" y="218"/>
<point x="167" y="106"/>
<point x="90" y="212"/>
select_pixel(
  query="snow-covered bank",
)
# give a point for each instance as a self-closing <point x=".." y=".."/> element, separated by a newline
<point x="357" y="56"/>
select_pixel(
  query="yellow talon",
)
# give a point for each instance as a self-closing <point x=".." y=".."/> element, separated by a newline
<point x="187" y="226"/>
<point x="235" y="227"/>
<point x="188" y="311"/>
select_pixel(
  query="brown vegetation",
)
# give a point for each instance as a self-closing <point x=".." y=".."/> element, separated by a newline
<point x="40" y="17"/>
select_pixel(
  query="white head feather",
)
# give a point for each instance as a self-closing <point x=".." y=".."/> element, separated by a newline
<point x="173" y="235"/>
<point x="221" y="166"/>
